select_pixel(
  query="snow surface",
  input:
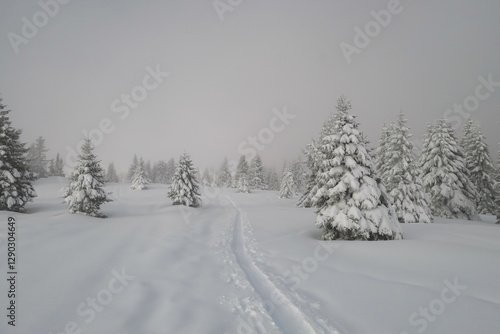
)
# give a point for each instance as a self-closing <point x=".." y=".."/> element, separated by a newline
<point x="241" y="263"/>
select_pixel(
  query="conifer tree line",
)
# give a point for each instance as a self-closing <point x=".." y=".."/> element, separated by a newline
<point x="248" y="175"/>
<point x="397" y="168"/>
<point x="85" y="192"/>
<point x="39" y="164"/>
<point x="159" y="172"/>
<point x="449" y="178"/>
<point x="357" y="192"/>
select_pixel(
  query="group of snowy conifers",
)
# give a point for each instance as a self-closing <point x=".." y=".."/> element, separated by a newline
<point x="85" y="192"/>
<point x="350" y="200"/>
<point x="356" y="197"/>
<point x="356" y="200"/>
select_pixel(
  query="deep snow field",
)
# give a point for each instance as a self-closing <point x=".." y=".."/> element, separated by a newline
<point x="242" y="263"/>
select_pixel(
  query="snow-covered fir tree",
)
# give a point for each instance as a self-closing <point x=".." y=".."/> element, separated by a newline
<point x="56" y="167"/>
<point x="241" y="170"/>
<point x="445" y="177"/>
<point x="272" y="179"/>
<point x="38" y="159"/>
<point x="312" y="155"/>
<point x="224" y="175"/>
<point x="59" y="166"/>
<point x="153" y="176"/>
<point x="287" y="188"/>
<point x="466" y="134"/>
<point x="401" y="176"/>
<point x="52" y="167"/>
<point x="170" y="170"/>
<point x="111" y="175"/>
<point x="314" y="160"/>
<point x="299" y="172"/>
<point x="160" y="172"/>
<point x="132" y="168"/>
<point x="480" y="167"/>
<point x="371" y="150"/>
<point x="243" y="184"/>
<point x="31" y="157"/>
<point x="197" y="174"/>
<point x="15" y="177"/>
<point x="381" y="165"/>
<point x="149" y="170"/>
<point x="85" y="193"/>
<point x="207" y="178"/>
<point x="256" y="174"/>
<point x="184" y="188"/>
<point x="140" y="179"/>
<point x="350" y="204"/>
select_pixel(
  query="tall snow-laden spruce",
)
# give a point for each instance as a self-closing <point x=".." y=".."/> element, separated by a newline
<point x="243" y="184"/>
<point x="313" y="157"/>
<point x="287" y="188"/>
<point x="111" y="175"/>
<point x="480" y="167"/>
<point x="272" y="179"/>
<point x="132" y="167"/>
<point x="85" y="193"/>
<point x="15" y="177"/>
<point x="299" y="171"/>
<point x="160" y="172"/>
<point x="311" y="152"/>
<point x="207" y="178"/>
<point x="170" y="170"/>
<point x="350" y="204"/>
<point x="153" y="173"/>
<point x="445" y="177"/>
<point x="224" y="177"/>
<point x="241" y="170"/>
<point x="149" y="170"/>
<point x="256" y="173"/>
<point x="140" y="179"/>
<point x="466" y="134"/>
<point x="401" y="176"/>
<point x="184" y="188"/>
<point x="37" y="158"/>
<point x="381" y="165"/>
<point x="56" y="167"/>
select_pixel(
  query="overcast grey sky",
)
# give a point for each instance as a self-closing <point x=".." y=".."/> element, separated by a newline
<point x="232" y="62"/>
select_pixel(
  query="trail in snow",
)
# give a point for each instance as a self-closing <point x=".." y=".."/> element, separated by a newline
<point x="240" y="297"/>
<point x="279" y="303"/>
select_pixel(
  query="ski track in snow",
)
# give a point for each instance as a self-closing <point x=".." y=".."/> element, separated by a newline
<point x="286" y="312"/>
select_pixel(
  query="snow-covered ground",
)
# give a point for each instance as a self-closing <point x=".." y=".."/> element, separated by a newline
<point x="242" y="263"/>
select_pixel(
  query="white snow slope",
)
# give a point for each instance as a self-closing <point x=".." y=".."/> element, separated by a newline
<point x="241" y="263"/>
